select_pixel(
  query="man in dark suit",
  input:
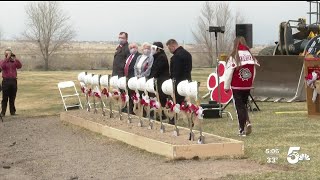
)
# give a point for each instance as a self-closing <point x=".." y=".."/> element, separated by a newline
<point x="129" y="68"/>
<point x="121" y="55"/>
<point x="180" y="67"/>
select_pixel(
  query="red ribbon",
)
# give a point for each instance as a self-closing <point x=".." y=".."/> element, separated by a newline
<point x="105" y="92"/>
<point x="82" y="89"/>
<point x="170" y="105"/>
<point x="96" y="94"/>
<point x="134" y="97"/>
<point x="116" y="93"/>
<point x="153" y="103"/>
<point x="195" y="109"/>
<point x="123" y="97"/>
<point x="143" y="102"/>
<point x="185" y="107"/>
<point x="90" y="92"/>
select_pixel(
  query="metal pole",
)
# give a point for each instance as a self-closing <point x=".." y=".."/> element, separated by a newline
<point x="310" y="13"/>
<point x="318" y="15"/>
<point x="217" y="69"/>
<point x="317" y="12"/>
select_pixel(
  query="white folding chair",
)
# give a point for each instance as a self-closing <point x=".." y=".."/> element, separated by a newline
<point x="69" y="84"/>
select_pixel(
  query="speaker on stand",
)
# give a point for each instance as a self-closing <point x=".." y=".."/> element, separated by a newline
<point x="245" y="30"/>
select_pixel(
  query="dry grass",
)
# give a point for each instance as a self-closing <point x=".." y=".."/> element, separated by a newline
<point x="38" y="95"/>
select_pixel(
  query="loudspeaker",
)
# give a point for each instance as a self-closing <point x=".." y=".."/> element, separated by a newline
<point x="245" y="30"/>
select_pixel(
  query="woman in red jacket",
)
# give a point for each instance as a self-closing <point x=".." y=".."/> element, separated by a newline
<point x="240" y="74"/>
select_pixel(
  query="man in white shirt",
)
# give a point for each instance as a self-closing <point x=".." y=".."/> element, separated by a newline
<point x="131" y="60"/>
<point x="129" y="70"/>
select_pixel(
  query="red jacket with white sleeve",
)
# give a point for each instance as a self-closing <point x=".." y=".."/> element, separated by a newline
<point x="241" y="76"/>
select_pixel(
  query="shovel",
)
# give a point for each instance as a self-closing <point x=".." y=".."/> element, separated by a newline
<point x="162" y="128"/>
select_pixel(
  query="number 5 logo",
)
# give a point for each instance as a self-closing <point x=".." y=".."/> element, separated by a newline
<point x="293" y="155"/>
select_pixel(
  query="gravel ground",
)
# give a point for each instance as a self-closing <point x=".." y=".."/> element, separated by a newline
<point x="46" y="148"/>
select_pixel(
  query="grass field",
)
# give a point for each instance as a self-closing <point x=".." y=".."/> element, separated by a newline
<point x="38" y="95"/>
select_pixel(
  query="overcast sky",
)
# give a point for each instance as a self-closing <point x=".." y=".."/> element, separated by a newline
<point x="155" y="21"/>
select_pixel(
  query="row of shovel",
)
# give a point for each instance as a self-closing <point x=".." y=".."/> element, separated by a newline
<point x="116" y="92"/>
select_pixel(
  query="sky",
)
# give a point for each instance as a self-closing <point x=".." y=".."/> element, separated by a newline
<point x="154" y="20"/>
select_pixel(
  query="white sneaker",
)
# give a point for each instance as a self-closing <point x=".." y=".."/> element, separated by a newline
<point x="243" y="134"/>
<point x="249" y="129"/>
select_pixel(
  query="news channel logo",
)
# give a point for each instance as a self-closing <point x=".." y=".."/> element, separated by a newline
<point x="293" y="155"/>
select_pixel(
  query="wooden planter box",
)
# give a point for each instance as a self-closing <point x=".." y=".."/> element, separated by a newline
<point x="225" y="146"/>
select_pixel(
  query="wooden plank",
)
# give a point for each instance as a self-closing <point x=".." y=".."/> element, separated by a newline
<point x="208" y="150"/>
<point x="145" y="143"/>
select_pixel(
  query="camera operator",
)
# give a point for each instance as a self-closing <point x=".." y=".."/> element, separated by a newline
<point x="9" y="68"/>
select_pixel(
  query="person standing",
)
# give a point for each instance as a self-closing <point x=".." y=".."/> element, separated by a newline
<point x="143" y="65"/>
<point x="9" y="68"/>
<point x="160" y="70"/>
<point x="240" y="73"/>
<point x="180" y="67"/>
<point x="120" y="56"/>
<point x="129" y="69"/>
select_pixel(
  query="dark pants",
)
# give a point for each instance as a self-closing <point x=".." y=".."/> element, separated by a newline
<point x="9" y="91"/>
<point x="130" y="93"/>
<point x="179" y="100"/>
<point x="240" y="98"/>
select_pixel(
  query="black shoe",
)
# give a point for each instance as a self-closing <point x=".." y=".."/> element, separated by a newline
<point x="14" y="114"/>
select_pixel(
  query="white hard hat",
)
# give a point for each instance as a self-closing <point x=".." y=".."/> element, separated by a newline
<point x="193" y="89"/>
<point x="141" y="84"/>
<point x="133" y="83"/>
<point x="150" y="85"/>
<point x="95" y="79"/>
<point x="87" y="79"/>
<point x="114" y="81"/>
<point x="122" y="83"/>
<point x="167" y="87"/>
<point x="81" y="76"/>
<point x="183" y="87"/>
<point x="104" y="80"/>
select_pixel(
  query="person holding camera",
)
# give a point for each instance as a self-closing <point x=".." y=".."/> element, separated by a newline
<point x="240" y="73"/>
<point x="9" y="68"/>
<point x="180" y="67"/>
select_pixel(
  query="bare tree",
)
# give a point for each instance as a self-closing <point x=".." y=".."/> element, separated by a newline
<point x="216" y="14"/>
<point x="48" y="27"/>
